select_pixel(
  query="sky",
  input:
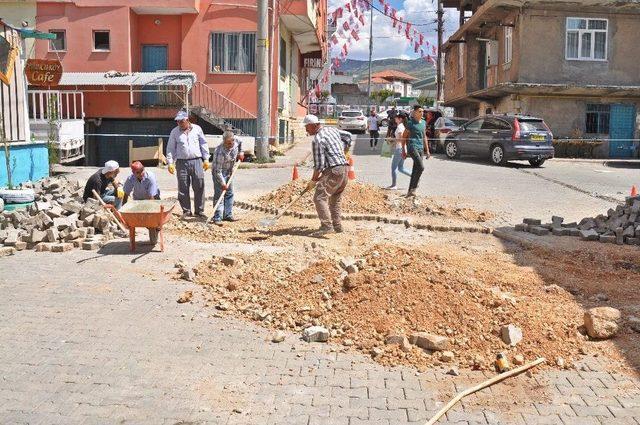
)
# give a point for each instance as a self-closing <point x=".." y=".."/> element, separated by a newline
<point x="387" y="43"/>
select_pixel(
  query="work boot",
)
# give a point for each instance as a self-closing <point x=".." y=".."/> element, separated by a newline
<point x="411" y="193"/>
<point x="202" y="215"/>
<point x="323" y="230"/>
<point x="231" y="219"/>
<point x="218" y="223"/>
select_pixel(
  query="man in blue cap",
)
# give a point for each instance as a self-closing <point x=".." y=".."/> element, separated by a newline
<point x="188" y="154"/>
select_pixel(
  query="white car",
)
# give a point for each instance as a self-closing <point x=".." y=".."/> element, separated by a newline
<point x="353" y="120"/>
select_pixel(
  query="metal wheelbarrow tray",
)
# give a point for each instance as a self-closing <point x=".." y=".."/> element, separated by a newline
<point x="149" y="213"/>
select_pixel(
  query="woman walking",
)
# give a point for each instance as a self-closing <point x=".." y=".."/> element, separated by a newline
<point x="397" y="160"/>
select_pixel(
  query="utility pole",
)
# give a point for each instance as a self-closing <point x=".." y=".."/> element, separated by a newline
<point x="262" y="53"/>
<point x="439" y="63"/>
<point x="370" y="55"/>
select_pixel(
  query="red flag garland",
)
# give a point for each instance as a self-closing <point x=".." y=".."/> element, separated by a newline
<point x="345" y="25"/>
<point x="361" y="18"/>
<point x="355" y="35"/>
<point x="334" y="39"/>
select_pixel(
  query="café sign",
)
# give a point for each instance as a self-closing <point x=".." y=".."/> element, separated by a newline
<point x="43" y="72"/>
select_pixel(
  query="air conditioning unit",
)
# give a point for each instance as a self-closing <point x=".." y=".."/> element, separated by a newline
<point x="280" y="100"/>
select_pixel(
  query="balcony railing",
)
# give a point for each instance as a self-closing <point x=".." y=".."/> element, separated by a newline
<point x="217" y="104"/>
<point x="46" y="105"/>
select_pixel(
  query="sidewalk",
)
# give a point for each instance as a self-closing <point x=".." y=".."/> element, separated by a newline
<point x="299" y="153"/>
<point x="602" y="161"/>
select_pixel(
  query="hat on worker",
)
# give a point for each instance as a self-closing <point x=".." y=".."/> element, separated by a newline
<point x="181" y="115"/>
<point x="110" y="166"/>
<point x="310" y="119"/>
<point x="137" y="166"/>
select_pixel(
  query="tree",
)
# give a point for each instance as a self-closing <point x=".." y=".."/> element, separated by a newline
<point x="381" y="95"/>
<point x="424" y="100"/>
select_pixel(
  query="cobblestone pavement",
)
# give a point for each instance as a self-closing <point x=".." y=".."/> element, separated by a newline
<point x="98" y="338"/>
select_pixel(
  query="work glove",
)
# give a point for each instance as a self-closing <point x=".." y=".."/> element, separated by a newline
<point x="206" y="166"/>
<point x="119" y="193"/>
<point x="311" y="185"/>
<point x="172" y="169"/>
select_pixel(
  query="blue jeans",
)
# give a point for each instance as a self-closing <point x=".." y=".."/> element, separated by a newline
<point x="397" y="164"/>
<point x="109" y="197"/>
<point x="225" y="209"/>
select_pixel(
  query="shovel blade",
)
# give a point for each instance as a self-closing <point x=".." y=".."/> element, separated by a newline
<point x="267" y="222"/>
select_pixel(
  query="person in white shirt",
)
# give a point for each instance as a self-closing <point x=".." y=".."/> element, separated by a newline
<point x="397" y="160"/>
<point x="373" y="130"/>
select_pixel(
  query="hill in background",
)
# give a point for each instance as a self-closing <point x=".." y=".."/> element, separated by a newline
<point x="418" y="68"/>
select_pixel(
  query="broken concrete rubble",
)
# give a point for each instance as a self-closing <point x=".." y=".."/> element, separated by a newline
<point x="58" y="214"/>
<point x="619" y="226"/>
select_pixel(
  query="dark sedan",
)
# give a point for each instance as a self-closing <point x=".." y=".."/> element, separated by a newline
<point x="502" y="138"/>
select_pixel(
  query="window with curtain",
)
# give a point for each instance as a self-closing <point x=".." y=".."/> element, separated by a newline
<point x="233" y="52"/>
<point x="508" y="44"/>
<point x="460" y="60"/>
<point x="586" y="39"/>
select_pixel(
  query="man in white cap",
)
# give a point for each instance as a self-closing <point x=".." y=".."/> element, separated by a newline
<point x="99" y="182"/>
<point x="188" y="154"/>
<point x="330" y="173"/>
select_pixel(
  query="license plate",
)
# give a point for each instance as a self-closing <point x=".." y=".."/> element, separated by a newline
<point x="537" y="138"/>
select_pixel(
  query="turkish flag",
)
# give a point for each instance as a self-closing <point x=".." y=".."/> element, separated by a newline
<point x="348" y="7"/>
<point x="345" y="25"/>
<point x="355" y="35"/>
<point x="361" y="18"/>
<point x="334" y="39"/>
<point x="421" y="37"/>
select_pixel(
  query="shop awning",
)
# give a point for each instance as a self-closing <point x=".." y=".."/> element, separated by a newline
<point x="138" y="79"/>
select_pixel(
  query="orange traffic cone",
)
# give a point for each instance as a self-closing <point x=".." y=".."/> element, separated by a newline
<point x="295" y="175"/>
<point x="352" y="171"/>
<point x="634" y="191"/>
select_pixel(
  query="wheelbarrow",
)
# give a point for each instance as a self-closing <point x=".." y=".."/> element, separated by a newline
<point x="152" y="214"/>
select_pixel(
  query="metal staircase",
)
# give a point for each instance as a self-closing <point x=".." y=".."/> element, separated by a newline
<point x="220" y="111"/>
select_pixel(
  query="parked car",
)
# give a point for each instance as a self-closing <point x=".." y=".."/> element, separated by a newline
<point x="502" y="138"/>
<point x="443" y="127"/>
<point x="352" y="120"/>
<point x="431" y="131"/>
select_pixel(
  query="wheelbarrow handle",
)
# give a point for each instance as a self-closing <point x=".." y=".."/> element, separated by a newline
<point x="217" y="204"/>
<point x="115" y="214"/>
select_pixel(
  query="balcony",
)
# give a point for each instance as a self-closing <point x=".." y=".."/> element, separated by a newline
<point x="301" y="18"/>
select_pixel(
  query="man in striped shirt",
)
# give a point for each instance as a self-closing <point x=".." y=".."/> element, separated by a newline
<point x="330" y="173"/>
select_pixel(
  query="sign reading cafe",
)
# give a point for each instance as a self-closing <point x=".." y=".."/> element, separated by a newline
<point x="43" y="72"/>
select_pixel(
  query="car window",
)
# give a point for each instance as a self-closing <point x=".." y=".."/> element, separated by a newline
<point x="351" y="114"/>
<point x="440" y="123"/>
<point x="495" y="124"/>
<point x="474" y="125"/>
<point x="458" y="122"/>
<point x="532" y="125"/>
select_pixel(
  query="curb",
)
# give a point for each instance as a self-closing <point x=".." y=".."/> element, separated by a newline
<point x="602" y="161"/>
<point x="370" y="217"/>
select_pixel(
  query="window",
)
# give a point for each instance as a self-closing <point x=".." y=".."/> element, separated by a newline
<point x="60" y="42"/>
<point x="508" y="44"/>
<point x="233" y="52"/>
<point x="101" y="41"/>
<point x="474" y="125"/>
<point x="597" y="119"/>
<point x="586" y="39"/>
<point x="460" y="60"/>
<point x="495" y="124"/>
<point x="283" y="58"/>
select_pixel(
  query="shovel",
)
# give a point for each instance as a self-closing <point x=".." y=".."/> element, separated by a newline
<point x="270" y="221"/>
<point x="215" y="206"/>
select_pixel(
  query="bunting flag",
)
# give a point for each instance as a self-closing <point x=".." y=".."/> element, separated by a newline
<point x="334" y="39"/>
<point x="356" y="13"/>
<point x="348" y="7"/>
<point x="433" y="50"/>
<point x="386" y="9"/>
<point x="421" y="39"/>
<point x="345" y="25"/>
<point x="416" y="47"/>
<point x="353" y="4"/>
<point x="355" y="35"/>
<point x="361" y="18"/>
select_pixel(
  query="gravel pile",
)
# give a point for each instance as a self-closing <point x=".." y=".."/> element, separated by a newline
<point x="423" y="306"/>
<point x="361" y="198"/>
<point x="620" y="225"/>
<point x="57" y="221"/>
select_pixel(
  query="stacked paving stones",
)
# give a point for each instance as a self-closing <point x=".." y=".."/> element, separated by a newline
<point x="619" y="226"/>
<point x="57" y="221"/>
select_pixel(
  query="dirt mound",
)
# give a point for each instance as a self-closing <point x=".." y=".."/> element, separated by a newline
<point x="466" y="295"/>
<point x="361" y="198"/>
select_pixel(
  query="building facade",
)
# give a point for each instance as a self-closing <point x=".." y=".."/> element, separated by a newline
<point x="573" y="65"/>
<point x="396" y="81"/>
<point x="216" y="40"/>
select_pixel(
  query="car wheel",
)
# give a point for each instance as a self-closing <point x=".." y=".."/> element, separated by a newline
<point x="537" y="162"/>
<point x="451" y="149"/>
<point x="497" y="155"/>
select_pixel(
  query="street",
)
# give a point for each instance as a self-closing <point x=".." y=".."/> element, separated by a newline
<point x="97" y="337"/>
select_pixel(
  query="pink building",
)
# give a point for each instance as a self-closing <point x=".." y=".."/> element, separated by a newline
<point x="214" y="39"/>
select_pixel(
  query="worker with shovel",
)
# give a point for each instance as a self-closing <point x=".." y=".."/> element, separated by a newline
<point x="224" y="161"/>
<point x="330" y="173"/>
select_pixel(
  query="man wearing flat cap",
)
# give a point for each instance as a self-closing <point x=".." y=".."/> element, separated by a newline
<point x="100" y="182"/>
<point x="188" y="154"/>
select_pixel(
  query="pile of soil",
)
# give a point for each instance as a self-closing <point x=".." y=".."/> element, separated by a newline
<point x="466" y="294"/>
<point x="361" y="198"/>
